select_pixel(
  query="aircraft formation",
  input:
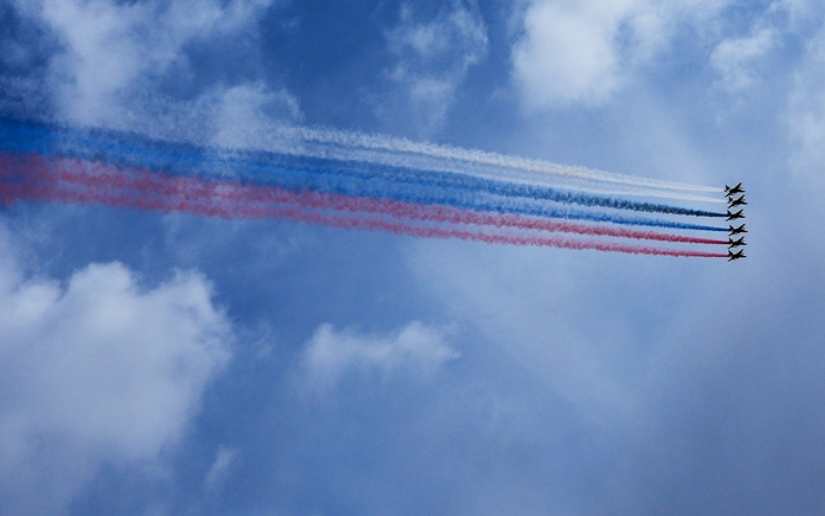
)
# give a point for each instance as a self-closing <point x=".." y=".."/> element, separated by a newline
<point x="735" y="245"/>
<point x="372" y="182"/>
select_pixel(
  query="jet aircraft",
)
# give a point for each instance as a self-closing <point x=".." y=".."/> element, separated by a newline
<point x="737" y="215"/>
<point x="733" y="203"/>
<point x="736" y="243"/>
<point x="737" y="189"/>
<point x="736" y="256"/>
<point x="736" y="231"/>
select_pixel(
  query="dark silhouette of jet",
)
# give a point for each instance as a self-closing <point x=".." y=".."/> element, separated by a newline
<point x="737" y="189"/>
<point x="737" y="215"/>
<point x="736" y="243"/>
<point x="736" y="256"/>
<point x="737" y="202"/>
<point x="736" y="231"/>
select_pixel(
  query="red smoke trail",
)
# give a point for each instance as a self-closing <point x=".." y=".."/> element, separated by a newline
<point x="55" y="193"/>
<point x="97" y="176"/>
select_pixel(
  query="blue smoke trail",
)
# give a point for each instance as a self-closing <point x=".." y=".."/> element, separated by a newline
<point x="135" y="150"/>
<point x="297" y="173"/>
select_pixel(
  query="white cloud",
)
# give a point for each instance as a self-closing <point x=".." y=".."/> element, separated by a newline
<point x="244" y="114"/>
<point x="584" y="52"/>
<point x="224" y="460"/>
<point x="109" y="48"/>
<point x="526" y="316"/>
<point x="805" y="117"/>
<point x="797" y="10"/>
<point x="432" y="58"/>
<point x="114" y="60"/>
<point x="735" y="58"/>
<point x="96" y="371"/>
<point x="415" y="348"/>
<point x="738" y="60"/>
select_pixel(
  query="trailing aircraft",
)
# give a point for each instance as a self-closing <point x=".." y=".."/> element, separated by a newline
<point x="736" y="256"/>
<point x="737" y="202"/>
<point x="736" y="243"/>
<point x="734" y="216"/>
<point x="736" y="231"/>
<point x="736" y="189"/>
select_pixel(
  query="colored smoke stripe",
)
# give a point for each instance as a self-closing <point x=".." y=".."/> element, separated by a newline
<point x="52" y="192"/>
<point x="377" y="190"/>
<point x="587" y="186"/>
<point x="100" y="176"/>
<point x="307" y="172"/>
<point x="469" y="156"/>
<point x="401" y="151"/>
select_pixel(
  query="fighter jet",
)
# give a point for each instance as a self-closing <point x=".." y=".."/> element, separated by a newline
<point x="736" y="256"/>
<point x="737" y="215"/>
<point x="737" y="189"/>
<point x="733" y="203"/>
<point x="736" y="243"/>
<point x="736" y="231"/>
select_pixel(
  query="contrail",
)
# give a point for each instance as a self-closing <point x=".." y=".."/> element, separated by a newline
<point x="49" y="192"/>
<point x="176" y="121"/>
<point x="104" y="177"/>
<point x="96" y="140"/>
<point x="496" y="173"/>
<point x="315" y="171"/>
<point x="467" y="156"/>
<point x="473" y="203"/>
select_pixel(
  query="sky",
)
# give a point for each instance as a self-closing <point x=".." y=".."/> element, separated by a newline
<point x="170" y="364"/>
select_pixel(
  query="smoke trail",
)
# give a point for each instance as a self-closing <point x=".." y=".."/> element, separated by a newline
<point x="467" y="156"/>
<point x="467" y="202"/>
<point x="497" y="173"/>
<point x="173" y="120"/>
<point x="88" y="142"/>
<point x="491" y="172"/>
<point x="400" y="150"/>
<point x="50" y="192"/>
<point x="312" y="172"/>
<point x="107" y="178"/>
<point x="443" y="181"/>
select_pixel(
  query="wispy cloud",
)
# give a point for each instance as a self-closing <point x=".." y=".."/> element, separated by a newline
<point x="332" y="354"/>
<point x="431" y="59"/>
<point x="735" y="59"/>
<point x="99" y="371"/>
<point x="585" y="52"/>
<point x="110" y="52"/>
<point x="225" y="458"/>
<point x="805" y="114"/>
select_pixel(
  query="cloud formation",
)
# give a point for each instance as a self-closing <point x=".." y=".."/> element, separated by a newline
<point x="225" y="458"/>
<point x="243" y="114"/>
<point x="97" y="371"/>
<point x="734" y="59"/>
<point x="805" y="116"/>
<point x="109" y="50"/>
<point x="584" y="52"/>
<point x="431" y="60"/>
<point x="416" y="348"/>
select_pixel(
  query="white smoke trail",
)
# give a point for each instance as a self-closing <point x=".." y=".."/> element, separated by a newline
<point x="191" y="122"/>
<point x="426" y="162"/>
<point x="402" y="146"/>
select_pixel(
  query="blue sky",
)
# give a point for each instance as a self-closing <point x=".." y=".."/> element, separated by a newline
<point x="157" y="365"/>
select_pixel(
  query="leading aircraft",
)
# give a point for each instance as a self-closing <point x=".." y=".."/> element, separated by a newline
<point x="733" y="203"/>
<point x="734" y="216"/>
<point x="736" y="243"/>
<point x="736" y="256"/>
<point x="736" y="231"/>
<point x="737" y="189"/>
